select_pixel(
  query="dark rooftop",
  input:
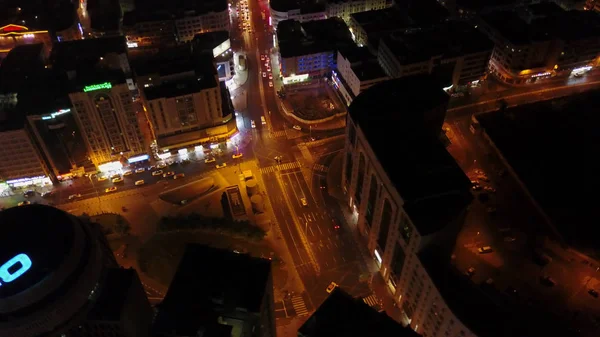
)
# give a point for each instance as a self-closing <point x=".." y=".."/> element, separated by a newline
<point x="38" y="14"/>
<point x="355" y="54"/>
<point x="544" y="9"/>
<point x="478" y="5"/>
<point x="343" y="315"/>
<point x="168" y="61"/>
<point x="369" y="70"/>
<point x="72" y="55"/>
<point x="382" y="21"/>
<point x="21" y="63"/>
<point x="305" y="6"/>
<point x="488" y="311"/>
<point x="516" y="30"/>
<point x="177" y="8"/>
<point x="105" y="15"/>
<point x="110" y="302"/>
<point x="447" y="40"/>
<point x="296" y="39"/>
<point x="428" y="177"/>
<point x="425" y="12"/>
<point x="209" y="41"/>
<point x="209" y="278"/>
<point x="181" y="87"/>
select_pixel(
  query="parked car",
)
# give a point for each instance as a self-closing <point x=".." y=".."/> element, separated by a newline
<point x="74" y="196"/>
<point x="297" y="127"/>
<point x="139" y="183"/>
<point x="331" y="287"/>
<point x="110" y="189"/>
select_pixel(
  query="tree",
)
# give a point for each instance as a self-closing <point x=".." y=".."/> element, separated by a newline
<point x="121" y="226"/>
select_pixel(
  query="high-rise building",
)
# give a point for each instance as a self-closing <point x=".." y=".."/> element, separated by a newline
<point x="410" y="199"/>
<point x="237" y="296"/>
<point x="343" y="315"/>
<point x="191" y="109"/>
<point x="101" y="94"/>
<point x="64" y="280"/>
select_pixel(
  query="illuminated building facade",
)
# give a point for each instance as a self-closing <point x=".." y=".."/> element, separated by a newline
<point x="282" y="10"/>
<point x="14" y="35"/>
<point x="541" y="41"/>
<point x="357" y="70"/>
<point x="67" y="282"/>
<point x="175" y="22"/>
<point x="344" y="8"/>
<point x="310" y="48"/>
<point x="108" y="122"/>
<point x="190" y="111"/>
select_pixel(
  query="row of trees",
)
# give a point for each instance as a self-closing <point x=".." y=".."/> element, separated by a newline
<point x="221" y="225"/>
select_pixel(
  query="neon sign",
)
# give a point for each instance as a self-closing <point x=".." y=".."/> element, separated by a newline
<point x="13" y="28"/>
<point x="93" y="87"/>
<point x="7" y="276"/>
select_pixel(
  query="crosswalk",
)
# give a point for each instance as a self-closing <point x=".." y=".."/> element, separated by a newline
<point x="299" y="306"/>
<point x="372" y="301"/>
<point x="285" y="166"/>
<point x="320" y="168"/>
<point x="278" y="134"/>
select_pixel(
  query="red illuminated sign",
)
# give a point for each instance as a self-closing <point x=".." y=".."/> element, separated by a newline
<point x="13" y="28"/>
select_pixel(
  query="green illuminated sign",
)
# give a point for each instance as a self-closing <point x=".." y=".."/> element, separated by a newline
<point x="105" y="85"/>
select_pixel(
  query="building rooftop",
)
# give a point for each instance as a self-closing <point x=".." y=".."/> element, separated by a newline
<point x="180" y="87"/>
<point x="38" y="14"/>
<point x="110" y="302"/>
<point x="544" y="9"/>
<point x="155" y="10"/>
<point x="486" y="310"/>
<point x="73" y="55"/>
<point x="369" y="70"/>
<point x="167" y="61"/>
<point x="305" y="6"/>
<point x="377" y="22"/>
<point x="342" y="315"/>
<point x="427" y="177"/>
<point x="207" y="279"/>
<point x="296" y="39"/>
<point x="104" y="15"/>
<point x="447" y="40"/>
<point x="209" y="41"/>
<point x="425" y="12"/>
<point x="21" y="63"/>
<point x="478" y="5"/>
<point x="514" y="29"/>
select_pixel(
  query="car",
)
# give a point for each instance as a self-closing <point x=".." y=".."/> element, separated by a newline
<point x="264" y="74"/>
<point x="470" y="271"/>
<point x="209" y="160"/>
<point x="29" y="193"/>
<point x="157" y="173"/>
<point x="297" y="127"/>
<point x="593" y="292"/>
<point x="270" y="76"/>
<point x="485" y="250"/>
<point x="24" y="203"/>
<point x="117" y="180"/>
<point x="304" y="202"/>
<point x="161" y="166"/>
<point x="269" y="68"/>
<point x="221" y="165"/>
<point x="237" y="155"/>
<point x="262" y="57"/>
<point x="335" y="224"/>
<point x="127" y="173"/>
<point x="102" y="178"/>
<point x="263" y="120"/>
<point x="74" y="196"/>
<point x="253" y="124"/>
<point x="110" y="189"/>
<point x="179" y="176"/>
<point x="476" y="187"/>
<point x="489" y="189"/>
<point x="140" y="170"/>
<point x="270" y="84"/>
<point x="168" y="174"/>
<point x="139" y="183"/>
<point x="331" y="287"/>
<point x="47" y="194"/>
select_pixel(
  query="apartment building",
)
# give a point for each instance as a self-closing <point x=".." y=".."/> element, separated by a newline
<point x="188" y="111"/>
<point x="456" y="52"/>
<point x="175" y="22"/>
<point x="344" y="8"/>
<point x="357" y="69"/>
<point x="410" y="199"/>
<point x="541" y="41"/>
<point x="310" y="48"/>
<point x="301" y="11"/>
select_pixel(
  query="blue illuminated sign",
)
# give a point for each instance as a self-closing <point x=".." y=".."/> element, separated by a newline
<point x="7" y="276"/>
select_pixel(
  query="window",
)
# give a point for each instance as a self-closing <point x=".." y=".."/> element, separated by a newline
<point x="360" y="179"/>
<point x="384" y="225"/>
<point x="348" y="167"/>
<point x="371" y="202"/>
<point x="405" y="228"/>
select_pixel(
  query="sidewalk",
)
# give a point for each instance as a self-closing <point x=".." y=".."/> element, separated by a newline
<point x="377" y="284"/>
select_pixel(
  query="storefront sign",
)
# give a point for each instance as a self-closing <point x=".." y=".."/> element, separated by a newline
<point x="93" y="87"/>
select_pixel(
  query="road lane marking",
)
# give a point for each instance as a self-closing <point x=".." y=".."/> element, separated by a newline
<point x="319" y="228"/>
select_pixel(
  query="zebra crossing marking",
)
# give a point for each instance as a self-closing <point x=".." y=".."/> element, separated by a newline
<point x="321" y="168"/>
<point x="299" y="306"/>
<point x="285" y="166"/>
<point x="278" y="134"/>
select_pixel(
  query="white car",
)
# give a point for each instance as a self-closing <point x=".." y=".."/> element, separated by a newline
<point x="117" y="180"/>
<point x="331" y="287"/>
<point x="74" y="196"/>
<point x="270" y="84"/>
<point x="253" y="124"/>
<point x="140" y="170"/>
<point x="304" y="202"/>
<point x="262" y="57"/>
<point x="161" y="166"/>
<point x="264" y="74"/>
<point x="127" y="173"/>
<point x="270" y="76"/>
<point x="157" y="173"/>
<point x="110" y="189"/>
<point x="209" y="160"/>
<point x="221" y="165"/>
<point x="297" y="127"/>
<point x="139" y="183"/>
<point x="237" y="155"/>
<point x="102" y="178"/>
